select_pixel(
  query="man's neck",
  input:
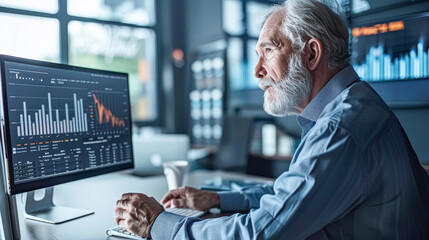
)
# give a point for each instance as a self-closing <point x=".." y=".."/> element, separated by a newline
<point x="321" y="76"/>
<point x="320" y="79"/>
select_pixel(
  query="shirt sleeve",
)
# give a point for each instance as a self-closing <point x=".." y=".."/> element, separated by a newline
<point x="323" y="184"/>
<point x="239" y="201"/>
<point x="245" y="199"/>
<point x="161" y="227"/>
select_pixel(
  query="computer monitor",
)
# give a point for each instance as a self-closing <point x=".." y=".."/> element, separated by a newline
<point x="61" y="123"/>
<point x="391" y="53"/>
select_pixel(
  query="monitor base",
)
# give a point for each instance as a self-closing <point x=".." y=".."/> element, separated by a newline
<point x="44" y="210"/>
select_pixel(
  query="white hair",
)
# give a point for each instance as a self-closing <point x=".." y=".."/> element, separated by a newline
<point x="306" y="19"/>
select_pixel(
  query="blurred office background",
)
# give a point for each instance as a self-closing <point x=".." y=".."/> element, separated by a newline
<point x="191" y="63"/>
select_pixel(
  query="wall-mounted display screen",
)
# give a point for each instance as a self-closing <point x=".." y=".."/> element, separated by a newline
<point x="392" y="50"/>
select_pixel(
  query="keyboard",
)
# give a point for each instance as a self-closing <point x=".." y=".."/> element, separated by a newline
<point x="118" y="231"/>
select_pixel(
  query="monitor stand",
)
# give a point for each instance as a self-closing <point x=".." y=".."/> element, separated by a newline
<point x="44" y="210"/>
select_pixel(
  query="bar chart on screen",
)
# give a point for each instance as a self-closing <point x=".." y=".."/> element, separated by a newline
<point x="380" y="65"/>
<point x="52" y="114"/>
<point x="395" y="50"/>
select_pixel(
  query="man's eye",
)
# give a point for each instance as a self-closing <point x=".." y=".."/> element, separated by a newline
<point x="268" y="50"/>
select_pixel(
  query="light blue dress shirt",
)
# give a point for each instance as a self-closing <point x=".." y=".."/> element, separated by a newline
<point x="353" y="176"/>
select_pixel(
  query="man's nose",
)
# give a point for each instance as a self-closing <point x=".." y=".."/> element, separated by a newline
<point x="259" y="70"/>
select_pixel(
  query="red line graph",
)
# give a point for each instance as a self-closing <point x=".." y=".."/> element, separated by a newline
<point x="106" y="116"/>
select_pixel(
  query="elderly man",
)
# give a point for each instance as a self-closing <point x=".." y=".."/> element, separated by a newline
<point x="354" y="175"/>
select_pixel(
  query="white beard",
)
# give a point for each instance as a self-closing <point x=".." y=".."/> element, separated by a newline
<point x="283" y="98"/>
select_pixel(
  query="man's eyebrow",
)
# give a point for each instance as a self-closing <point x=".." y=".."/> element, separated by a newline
<point x="263" y="44"/>
<point x="266" y="43"/>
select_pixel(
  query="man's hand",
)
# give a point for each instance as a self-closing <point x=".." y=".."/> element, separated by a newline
<point x="188" y="197"/>
<point x="136" y="213"/>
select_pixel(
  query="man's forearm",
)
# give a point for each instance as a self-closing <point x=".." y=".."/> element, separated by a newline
<point x="243" y="200"/>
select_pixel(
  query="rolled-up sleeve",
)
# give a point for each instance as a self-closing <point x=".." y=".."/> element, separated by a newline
<point x="323" y="184"/>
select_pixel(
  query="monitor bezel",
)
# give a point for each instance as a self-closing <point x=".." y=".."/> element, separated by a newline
<point x="6" y="137"/>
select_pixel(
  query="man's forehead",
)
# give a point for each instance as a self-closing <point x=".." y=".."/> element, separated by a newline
<point x="271" y="30"/>
<point x="274" y="21"/>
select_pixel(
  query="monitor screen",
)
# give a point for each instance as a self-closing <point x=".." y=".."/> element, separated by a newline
<point x="396" y="49"/>
<point x="62" y="123"/>
<point x="393" y="55"/>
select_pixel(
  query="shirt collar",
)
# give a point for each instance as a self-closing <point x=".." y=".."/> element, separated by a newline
<point x="328" y="93"/>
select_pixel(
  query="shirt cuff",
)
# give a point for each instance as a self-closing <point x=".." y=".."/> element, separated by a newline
<point x="231" y="201"/>
<point x="163" y="226"/>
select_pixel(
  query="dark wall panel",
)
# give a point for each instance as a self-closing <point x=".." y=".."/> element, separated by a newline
<point x="416" y="125"/>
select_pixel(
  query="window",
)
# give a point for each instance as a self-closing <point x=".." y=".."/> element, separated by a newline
<point x="30" y="37"/>
<point x="256" y="12"/>
<point x="236" y="63"/>
<point x="242" y="22"/>
<point x="232" y="17"/>
<point x="47" y="6"/>
<point x="116" y="35"/>
<point x="140" y="12"/>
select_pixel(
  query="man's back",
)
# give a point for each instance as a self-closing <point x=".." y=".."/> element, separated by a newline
<point x="391" y="206"/>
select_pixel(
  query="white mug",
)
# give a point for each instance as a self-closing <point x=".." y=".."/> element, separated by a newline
<point x="175" y="172"/>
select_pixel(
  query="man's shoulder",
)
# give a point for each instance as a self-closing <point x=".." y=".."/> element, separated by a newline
<point x="359" y="110"/>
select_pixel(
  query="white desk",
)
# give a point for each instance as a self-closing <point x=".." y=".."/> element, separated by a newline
<point x="100" y="194"/>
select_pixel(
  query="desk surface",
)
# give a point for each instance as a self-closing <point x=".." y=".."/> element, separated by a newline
<point x="100" y="195"/>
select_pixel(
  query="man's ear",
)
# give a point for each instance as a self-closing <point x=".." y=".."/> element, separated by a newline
<point x="314" y="53"/>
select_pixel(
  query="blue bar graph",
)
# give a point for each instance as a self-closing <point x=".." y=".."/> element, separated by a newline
<point x="381" y="66"/>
